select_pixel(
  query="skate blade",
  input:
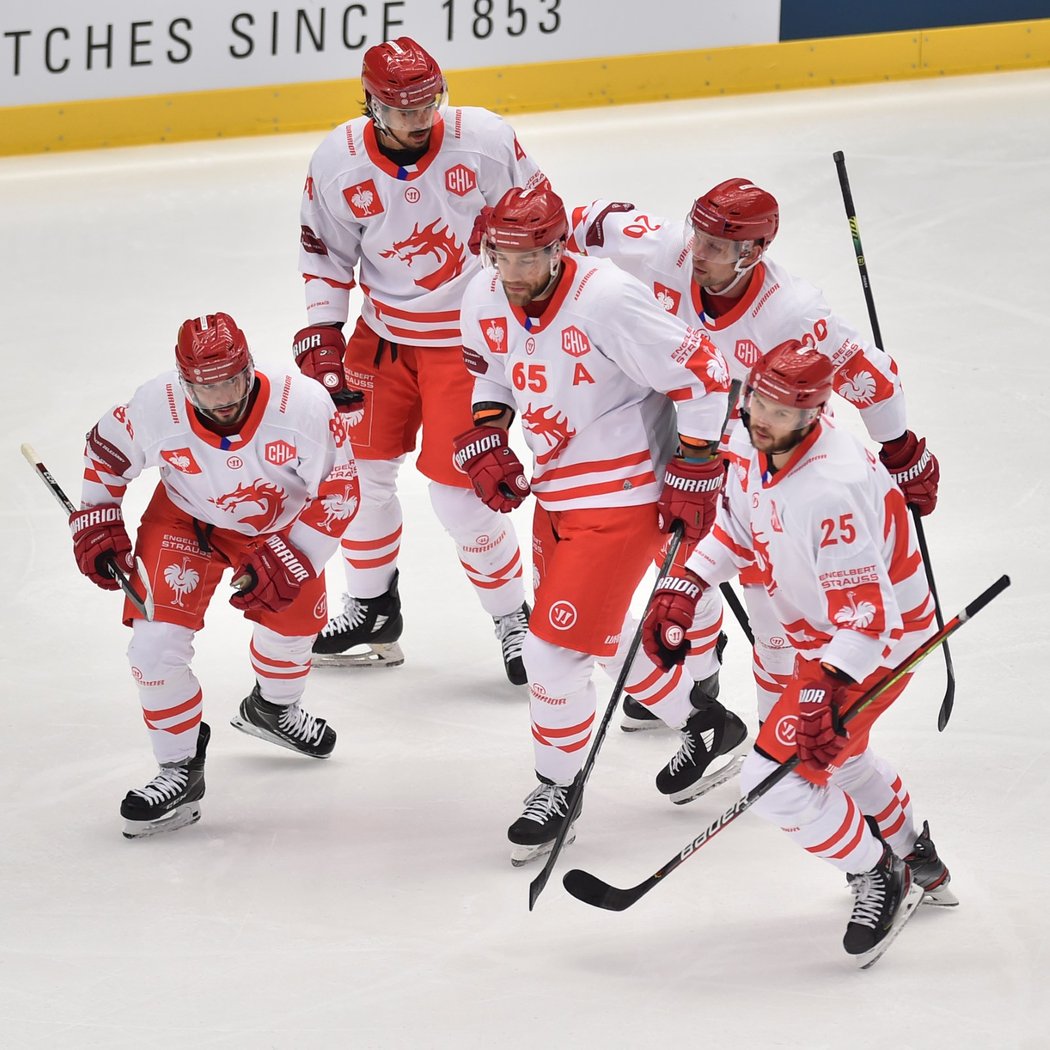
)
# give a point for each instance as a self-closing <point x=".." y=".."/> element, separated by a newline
<point x="186" y="814"/>
<point x="253" y="730"/>
<point x="379" y="655"/>
<point x="638" y="725"/>
<point x="942" y="897"/>
<point x="908" y="908"/>
<point x="520" y="855"/>
<point x="710" y="781"/>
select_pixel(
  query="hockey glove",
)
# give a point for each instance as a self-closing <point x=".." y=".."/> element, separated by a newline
<point x="477" y="234"/>
<point x="820" y="736"/>
<point x="494" y="470"/>
<point x="690" y="495"/>
<point x="100" y="540"/>
<point x="915" y="469"/>
<point x="669" y="616"/>
<point x="319" y="353"/>
<point x="271" y="577"/>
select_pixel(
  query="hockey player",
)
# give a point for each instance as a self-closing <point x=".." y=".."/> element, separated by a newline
<point x="713" y="271"/>
<point x="256" y="474"/>
<point x="831" y="537"/>
<point x="393" y="195"/>
<point x="581" y="351"/>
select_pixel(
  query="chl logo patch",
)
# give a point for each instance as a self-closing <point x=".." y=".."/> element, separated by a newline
<point x="575" y="342"/>
<point x="279" y="452"/>
<point x="747" y="353"/>
<point x="460" y="180"/>
<point x="562" y="615"/>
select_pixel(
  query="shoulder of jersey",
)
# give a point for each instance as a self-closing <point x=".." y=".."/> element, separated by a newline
<point x="341" y="149"/>
<point x="474" y="128"/>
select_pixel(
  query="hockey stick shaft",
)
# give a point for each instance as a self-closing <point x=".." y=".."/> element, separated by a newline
<point x="594" y="891"/>
<point x="576" y="797"/>
<point x="851" y="214"/>
<point x="143" y="604"/>
<point x="738" y="610"/>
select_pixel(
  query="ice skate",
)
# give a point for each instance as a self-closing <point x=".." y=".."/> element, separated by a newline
<point x="637" y="716"/>
<point x="364" y="634"/>
<point x="533" y="833"/>
<point x="714" y="745"/>
<point x="511" y="630"/>
<point x="930" y="872"/>
<point x="884" y="899"/>
<point x="286" y="725"/>
<point x="171" y="800"/>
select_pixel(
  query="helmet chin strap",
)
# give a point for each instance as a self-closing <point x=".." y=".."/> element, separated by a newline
<point x="741" y="273"/>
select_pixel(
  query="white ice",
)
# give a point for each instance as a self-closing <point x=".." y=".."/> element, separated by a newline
<point x="368" y="901"/>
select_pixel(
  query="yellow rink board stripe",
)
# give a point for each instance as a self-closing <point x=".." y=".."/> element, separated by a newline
<point x="556" y="85"/>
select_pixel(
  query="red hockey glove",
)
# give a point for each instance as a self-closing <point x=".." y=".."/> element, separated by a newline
<point x="690" y="495"/>
<point x="481" y="222"/>
<point x="271" y="577"/>
<point x="495" y="472"/>
<point x="669" y="616"/>
<point x="100" y="540"/>
<point x="820" y="736"/>
<point x="319" y="353"/>
<point x="915" y="469"/>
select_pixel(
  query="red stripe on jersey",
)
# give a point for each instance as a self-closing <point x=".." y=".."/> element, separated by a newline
<point x="580" y="727"/>
<point x="330" y="281"/>
<point x="594" y="466"/>
<point x="422" y="316"/>
<point x="171" y="712"/>
<point x="843" y="829"/>
<point x="372" y="545"/>
<point x="597" y="489"/>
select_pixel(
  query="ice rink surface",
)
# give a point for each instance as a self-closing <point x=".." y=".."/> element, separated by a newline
<point x="368" y="901"/>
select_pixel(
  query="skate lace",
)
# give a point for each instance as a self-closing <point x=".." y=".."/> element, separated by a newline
<point x="869" y="893"/>
<point x="546" y="801"/>
<point x="165" y="785"/>
<point x="298" y="723"/>
<point x="511" y="630"/>
<point x="353" y="615"/>
<point x="685" y="755"/>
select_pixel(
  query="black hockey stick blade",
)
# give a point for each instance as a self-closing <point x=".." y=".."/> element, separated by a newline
<point x="600" y="894"/>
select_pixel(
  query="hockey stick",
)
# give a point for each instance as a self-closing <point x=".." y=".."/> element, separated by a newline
<point x="143" y="604"/>
<point x="734" y="603"/>
<point x="592" y="890"/>
<point x="851" y="214"/>
<point x="576" y="798"/>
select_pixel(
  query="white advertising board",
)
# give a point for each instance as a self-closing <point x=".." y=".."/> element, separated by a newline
<point x="65" y="50"/>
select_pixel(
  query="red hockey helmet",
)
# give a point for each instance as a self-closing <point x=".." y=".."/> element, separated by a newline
<point x="211" y="351"/>
<point x="527" y="219"/>
<point x="737" y="211"/>
<point x="400" y="74"/>
<point x="793" y="375"/>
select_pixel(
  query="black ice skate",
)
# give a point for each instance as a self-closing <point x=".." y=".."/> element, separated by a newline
<point x="714" y="744"/>
<point x="637" y="716"/>
<point x="287" y="725"/>
<point x="930" y="872"/>
<point x="369" y="626"/>
<point x="884" y="899"/>
<point x="171" y="800"/>
<point x="511" y="630"/>
<point x="533" y="833"/>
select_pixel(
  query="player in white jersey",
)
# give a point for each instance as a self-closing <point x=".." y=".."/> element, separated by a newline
<point x="256" y="474"/>
<point x="830" y="535"/>
<point x="596" y="371"/>
<point x="392" y="197"/>
<point x="713" y="270"/>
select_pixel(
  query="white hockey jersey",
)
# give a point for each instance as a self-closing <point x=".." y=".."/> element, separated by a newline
<point x="589" y="380"/>
<point x="776" y="307"/>
<point x="405" y="229"/>
<point x="835" y="548"/>
<point x="291" y="464"/>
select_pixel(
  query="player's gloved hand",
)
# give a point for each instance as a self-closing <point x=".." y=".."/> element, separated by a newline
<point x="915" y="469"/>
<point x="496" y="473"/>
<point x="669" y="616"/>
<point x="100" y="540"/>
<point x="820" y="735"/>
<point x="481" y="222"/>
<point x="319" y="353"/>
<point x="690" y="495"/>
<point x="272" y="576"/>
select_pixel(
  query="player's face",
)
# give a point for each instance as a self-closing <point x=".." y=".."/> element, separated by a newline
<point x="776" y="428"/>
<point x="224" y="402"/>
<point x="714" y="260"/>
<point x="407" y="128"/>
<point x="524" y="275"/>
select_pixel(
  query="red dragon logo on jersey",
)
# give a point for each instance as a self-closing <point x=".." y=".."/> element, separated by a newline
<point x="267" y="497"/>
<point x="430" y="240"/>
<point x="762" y="563"/>
<point x="554" y="429"/>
